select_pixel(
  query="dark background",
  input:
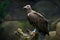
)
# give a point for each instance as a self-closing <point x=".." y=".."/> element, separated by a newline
<point x="14" y="8"/>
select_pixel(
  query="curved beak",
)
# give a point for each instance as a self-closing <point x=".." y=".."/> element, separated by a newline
<point x="24" y="7"/>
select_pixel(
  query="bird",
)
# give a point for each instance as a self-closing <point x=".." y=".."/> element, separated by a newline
<point x="37" y="20"/>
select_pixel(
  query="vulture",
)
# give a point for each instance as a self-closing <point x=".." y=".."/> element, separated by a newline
<point x="37" y="20"/>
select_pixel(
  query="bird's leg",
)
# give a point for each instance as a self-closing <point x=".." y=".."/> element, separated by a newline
<point x="34" y="30"/>
<point x="34" y="35"/>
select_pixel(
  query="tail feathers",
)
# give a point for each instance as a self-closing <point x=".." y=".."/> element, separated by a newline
<point x="46" y="33"/>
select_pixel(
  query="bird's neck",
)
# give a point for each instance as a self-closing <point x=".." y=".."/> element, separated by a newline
<point x="29" y="10"/>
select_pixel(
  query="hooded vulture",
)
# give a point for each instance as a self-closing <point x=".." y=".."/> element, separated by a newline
<point x="37" y="20"/>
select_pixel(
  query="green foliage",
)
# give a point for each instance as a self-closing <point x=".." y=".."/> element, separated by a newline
<point x="24" y="25"/>
<point x="3" y="11"/>
<point x="3" y="8"/>
<point x="11" y="26"/>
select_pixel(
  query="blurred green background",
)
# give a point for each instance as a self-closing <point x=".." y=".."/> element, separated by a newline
<point x="12" y="15"/>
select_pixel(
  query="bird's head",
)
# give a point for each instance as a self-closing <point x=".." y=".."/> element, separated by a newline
<point x="28" y="8"/>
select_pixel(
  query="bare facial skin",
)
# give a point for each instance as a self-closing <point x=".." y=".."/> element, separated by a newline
<point x="27" y="8"/>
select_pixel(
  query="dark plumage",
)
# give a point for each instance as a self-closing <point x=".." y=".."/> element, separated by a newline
<point x="37" y="20"/>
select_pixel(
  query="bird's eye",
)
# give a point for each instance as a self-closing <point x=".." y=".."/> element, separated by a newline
<point x="27" y="6"/>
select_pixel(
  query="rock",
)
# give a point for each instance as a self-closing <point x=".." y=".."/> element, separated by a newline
<point x="52" y="36"/>
<point x="9" y="28"/>
<point x="58" y="31"/>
